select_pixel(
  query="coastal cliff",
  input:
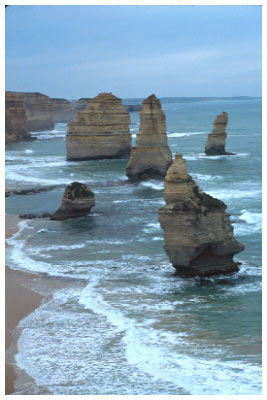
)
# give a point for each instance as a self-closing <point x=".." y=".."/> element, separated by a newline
<point x="39" y="111"/>
<point x="62" y="110"/>
<point x="215" y="144"/>
<point x="78" y="199"/>
<point x="82" y="104"/>
<point x="16" y="129"/>
<point x="100" y="131"/>
<point x="198" y="234"/>
<point x="151" y="157"/>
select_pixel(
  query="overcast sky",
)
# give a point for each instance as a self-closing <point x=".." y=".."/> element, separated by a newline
<point x="133" y="51"/>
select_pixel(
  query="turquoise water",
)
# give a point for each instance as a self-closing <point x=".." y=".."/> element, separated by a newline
<point x="120" y="322"/>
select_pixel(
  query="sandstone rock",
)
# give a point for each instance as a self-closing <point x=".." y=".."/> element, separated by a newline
<point x="78" y="199"/>
<point x="100" y="131"/>
<point x="15" y="118"/>
<point x="151" y="157"/>
<point x="215" y="144"/>
<point x="62" y="110"/>
<point x="39" y="111"/>
<point x="198" y="234"/>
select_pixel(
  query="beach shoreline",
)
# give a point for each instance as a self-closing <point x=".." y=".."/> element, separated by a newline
<point x="20" y="301"/>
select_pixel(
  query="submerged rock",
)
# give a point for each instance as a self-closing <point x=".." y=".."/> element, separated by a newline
<point x="16" y="129"/>
<point x="100" y="131"/>
<point x="39" y="111"/>
<point x="198" y="234"/>
<point x="215" y="144"/>
<point x="151" y="157"/>
<point x="78" y="199"/>
<point x="62" y="110"/>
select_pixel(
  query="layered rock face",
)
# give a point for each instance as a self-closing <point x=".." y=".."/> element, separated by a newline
<point x="62" y="110"/>
<point x="151" y="157"/>
<point x="198" y="234"/>
<point x="16" y="128"/>
<point x="78" y="199"/>
<point x="100" y="131"/>
<point x="215" y="144"/>
<point x="39" y="111"/>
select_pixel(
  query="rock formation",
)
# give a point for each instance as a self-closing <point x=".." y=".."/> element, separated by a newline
<point x="198" y="234"/>
<point x="39" y="111"/>
<point x="62" y="110"/>
<point x="78" y="199"/>
<point x="82" y="104"/>
<point x="101" y="130"/>
<point x="215" y="144"/>
<point x="15" y="118"/>
<point x="151" y="157"/>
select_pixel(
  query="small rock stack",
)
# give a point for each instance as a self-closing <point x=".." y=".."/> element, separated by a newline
<point x="78" y="199"/>
<point x="100" y="131"/>
<point x="151" y="157"/>
<point x="215" y="144"/>
<point x="198" y="233"/>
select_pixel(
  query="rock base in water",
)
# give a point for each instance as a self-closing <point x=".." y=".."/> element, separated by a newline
<point x="215" y="145"/>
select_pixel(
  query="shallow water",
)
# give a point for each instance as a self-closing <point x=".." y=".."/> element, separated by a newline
<point x="122" y="324"/>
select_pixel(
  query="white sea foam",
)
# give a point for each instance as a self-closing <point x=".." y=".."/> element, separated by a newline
<point x="28" y="151"/>
<point x="206" y="177"/>
<point x="151" y="227"/>
<point x="234" y="193"/>
<point x="181" y="134"/>
<point x="153" y="185"/>
<point x="157" y="238"/>
<point x="195" y="157"/>
<point x="251" y="217"/>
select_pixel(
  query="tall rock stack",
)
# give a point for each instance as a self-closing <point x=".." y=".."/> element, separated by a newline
<point x="16" y="128"/>
<point x="39" y="111"/>
<point x="215" y="144"/>
<point x="151" y="157"/>
<point x="100" y="131"/>
<point x="62" y="110"/>
<point x="198" y="234"/>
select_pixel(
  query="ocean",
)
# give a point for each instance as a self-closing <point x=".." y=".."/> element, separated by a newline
<point x="115" y="319"/>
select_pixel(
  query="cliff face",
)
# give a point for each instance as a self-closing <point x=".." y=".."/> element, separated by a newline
<point x="62" y="110"/>
<point x="39" y="111"/>
<point x="151" y="157"/>
<point x="78" y="199"/>
<point x="101" y="130"/>
<point x="215" y="144"/>
<point x="198" y="234"/>
<point x="15" y="118"/>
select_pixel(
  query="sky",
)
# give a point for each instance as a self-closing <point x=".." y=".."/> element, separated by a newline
<point x="134" y="51"/>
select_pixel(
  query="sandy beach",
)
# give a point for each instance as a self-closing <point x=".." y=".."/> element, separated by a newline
<point x="19" y="302"/>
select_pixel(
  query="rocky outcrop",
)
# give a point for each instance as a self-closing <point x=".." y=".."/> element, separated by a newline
<point x="198" y="234"/>
<point x="82" y="104"/>
<point x="39" y="111"/>
<point x="151" y="157"/>
<point x="215" y="144"/>
<point x="78" y="199"/>
<point x="62" y="110"/>
<point x="16" y="128"/>
<point x="100" y="131"/>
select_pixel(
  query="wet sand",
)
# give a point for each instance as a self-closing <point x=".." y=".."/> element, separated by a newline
<point x="19" y="302"/>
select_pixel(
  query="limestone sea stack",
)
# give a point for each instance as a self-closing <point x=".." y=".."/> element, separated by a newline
<point x="78" y="199"/>
<point x="198" y="235"/>
<point x="151" y="157"/>
<point x="100" y="131"/>
<point x="16" y="129"/>
<point x="62" y="110"/>
<point x="39" y="111"/>
<point x="215" y="144"/>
